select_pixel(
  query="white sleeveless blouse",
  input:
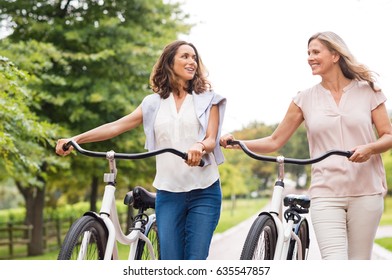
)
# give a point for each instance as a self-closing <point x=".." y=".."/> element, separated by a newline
<point x="179" y="130"/>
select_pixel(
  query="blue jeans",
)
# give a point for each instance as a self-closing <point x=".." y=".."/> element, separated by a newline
<point x="186" y="222"/>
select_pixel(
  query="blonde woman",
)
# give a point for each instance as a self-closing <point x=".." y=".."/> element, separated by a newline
<point x="341" y="112"/>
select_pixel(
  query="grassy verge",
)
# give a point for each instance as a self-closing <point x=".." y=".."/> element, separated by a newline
<point x="385" y="242"/>
<point x="386" y="219"/>
<point x="234" y="212"/>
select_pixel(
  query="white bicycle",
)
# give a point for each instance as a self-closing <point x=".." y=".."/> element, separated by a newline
<point x="271" y="237"/>
<point x="94" y="236"/>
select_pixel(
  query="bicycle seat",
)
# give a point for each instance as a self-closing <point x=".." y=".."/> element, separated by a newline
<point x="140" y="198"/>
<point x="295" y="199"/>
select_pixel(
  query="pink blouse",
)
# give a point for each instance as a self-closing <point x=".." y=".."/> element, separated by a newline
<point x="342" y="127"/>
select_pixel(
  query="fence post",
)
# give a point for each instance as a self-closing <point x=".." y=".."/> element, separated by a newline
<point x="58" y="230"/>
<point x="44" y="237"/>
<point x="10" y="238"/>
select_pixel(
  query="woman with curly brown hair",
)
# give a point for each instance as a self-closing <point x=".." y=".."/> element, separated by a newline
<point x="182" y="113"/>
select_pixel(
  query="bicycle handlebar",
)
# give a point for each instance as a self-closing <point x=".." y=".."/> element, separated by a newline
<point x="289" y="160"/>
<point x="127" y="156"/>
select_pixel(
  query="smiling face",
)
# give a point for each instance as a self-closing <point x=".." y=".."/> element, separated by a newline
<point x="185" y="63"/>
<point x="320" y="58"/>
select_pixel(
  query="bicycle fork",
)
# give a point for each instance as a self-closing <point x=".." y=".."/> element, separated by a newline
<point x="103" y="216"/>
<point x="276" y="204"/>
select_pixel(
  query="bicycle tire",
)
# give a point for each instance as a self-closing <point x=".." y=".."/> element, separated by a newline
<point x="96" y="246"/>
<point x="260" y="242"/>
<point x="302" y="232"/>
<point x="142" y="252"/>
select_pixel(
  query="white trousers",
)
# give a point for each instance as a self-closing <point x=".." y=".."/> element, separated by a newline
<point x="345" y="227"/>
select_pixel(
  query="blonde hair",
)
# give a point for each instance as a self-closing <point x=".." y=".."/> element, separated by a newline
<point x="348" y="64"/>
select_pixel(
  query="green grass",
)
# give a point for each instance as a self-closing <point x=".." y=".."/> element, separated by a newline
<point x="385" y="242"/>
<point x="386" y="218"/>
<point x="48" y="256"/>
<point x="235" y="212"/>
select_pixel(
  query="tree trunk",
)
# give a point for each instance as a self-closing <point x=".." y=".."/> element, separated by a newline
<point x="34" y="198"/>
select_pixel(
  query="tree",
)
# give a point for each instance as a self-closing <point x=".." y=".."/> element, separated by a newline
<point x="262" y="171"/>
<point x="92" y="60"/>
<point x="387" y="159"/>
<point x="24" y="140"/>
<point x="234" y="180"/>
<point x="297" y="147"/>
<point x="262" y="174"/>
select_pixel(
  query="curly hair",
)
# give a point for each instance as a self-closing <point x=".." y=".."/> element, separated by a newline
<point x="350" y="67"/>
<point x="163" y="80"/>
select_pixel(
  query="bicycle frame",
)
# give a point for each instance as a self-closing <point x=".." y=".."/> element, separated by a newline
<point x="290" y="227"/>
<point x="108" y="217"/>
<point x="285" y="230"/>
<point x="108" y="214"/>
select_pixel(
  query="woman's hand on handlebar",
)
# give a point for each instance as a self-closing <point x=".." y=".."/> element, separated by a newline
<point x="59" y="147"/>
<point x="195" y="154"/>
<point x="361" y="154"/>
<point x="224" y="139"/>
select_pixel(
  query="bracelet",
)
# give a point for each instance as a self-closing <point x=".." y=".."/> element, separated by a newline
<point x="204" y="147"/>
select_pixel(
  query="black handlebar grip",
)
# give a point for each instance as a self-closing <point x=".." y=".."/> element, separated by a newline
<point x="233" y="142"/>
<point x="66" y="146"/>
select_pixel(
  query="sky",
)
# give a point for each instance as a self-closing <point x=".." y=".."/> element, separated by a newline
<point x="256" y="50"/>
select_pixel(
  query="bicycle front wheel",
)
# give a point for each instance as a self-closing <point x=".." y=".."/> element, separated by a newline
<point x="302" y="231"/>
<point x="86" y="240"/>
<point x="261" y="241"/>
<point x="142" y="252"/>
